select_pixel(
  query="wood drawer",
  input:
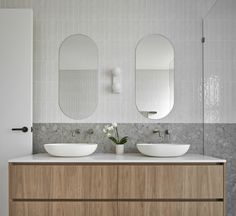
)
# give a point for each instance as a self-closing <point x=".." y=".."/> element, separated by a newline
<point x="63" y="181"/>
<point x="63" y="208"/>
<point x="171" y="181"/>
<point x="170" y="208"/>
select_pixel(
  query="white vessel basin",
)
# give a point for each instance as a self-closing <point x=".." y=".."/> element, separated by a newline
<point x="70" y="149"/>
<point x="163" y="150"/>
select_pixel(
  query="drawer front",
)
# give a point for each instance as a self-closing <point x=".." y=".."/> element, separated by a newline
<point x="63" y="209"/>
<point x="170" y="209"/>
<point x="63" y="182"/>
<point x="171" y="182"/>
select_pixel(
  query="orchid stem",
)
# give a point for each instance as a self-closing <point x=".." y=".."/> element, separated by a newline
<point x="117" y="133"/>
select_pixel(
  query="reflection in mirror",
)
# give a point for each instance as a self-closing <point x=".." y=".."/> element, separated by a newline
<point x="78" y="76"/>
<point x="154" y="76"/>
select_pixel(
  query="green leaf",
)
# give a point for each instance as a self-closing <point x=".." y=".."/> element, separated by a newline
<point x="113" y="139"/>
<point x="123" y="140"/>
<point x="121" y="143"/>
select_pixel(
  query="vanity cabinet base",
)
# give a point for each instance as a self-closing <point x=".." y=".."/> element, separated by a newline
<point x="117" y="190"/>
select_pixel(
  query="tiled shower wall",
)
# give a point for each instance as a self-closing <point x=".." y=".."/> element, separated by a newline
<point x="220" y="90"/>
<point x="220" y="63"/>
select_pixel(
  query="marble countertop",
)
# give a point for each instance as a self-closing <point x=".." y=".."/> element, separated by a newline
<point x="113" y="158"/>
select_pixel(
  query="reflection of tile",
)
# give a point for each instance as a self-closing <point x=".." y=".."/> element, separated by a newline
<point x="220" y="99"/>
<point x="221" y="70"/>
<point x="214" y="100"/>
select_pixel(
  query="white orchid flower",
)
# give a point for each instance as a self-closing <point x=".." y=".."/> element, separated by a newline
<point x="114" y="124"/>
<point x="110" y="128"/>
<point x="104" y="130"/>
<point x="108" y="135"/>
<point x="107" y="126"/>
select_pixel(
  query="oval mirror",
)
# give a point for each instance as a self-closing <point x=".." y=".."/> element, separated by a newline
<point x="154" y="76"/>
<point x="78" y="76"/>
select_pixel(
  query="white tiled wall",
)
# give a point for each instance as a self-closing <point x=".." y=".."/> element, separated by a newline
<point x="220" y="63"/>
<point x="116" y="26"/>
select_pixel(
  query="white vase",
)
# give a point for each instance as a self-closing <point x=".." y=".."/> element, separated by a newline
<point x="120" y="149"/>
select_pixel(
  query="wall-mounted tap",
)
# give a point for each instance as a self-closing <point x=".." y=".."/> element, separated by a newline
<point x="74" y="132"/>
<point x="90" y="131"/>
<point x="162" y="134"/>
<point x="156" y="131"/>
<point x="167" y="134"/>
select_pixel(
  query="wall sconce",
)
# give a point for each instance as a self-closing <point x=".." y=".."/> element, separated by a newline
<point x="116" y="80"/>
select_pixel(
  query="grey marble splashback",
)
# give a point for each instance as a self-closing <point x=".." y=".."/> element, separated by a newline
<point x="137" y="133"/>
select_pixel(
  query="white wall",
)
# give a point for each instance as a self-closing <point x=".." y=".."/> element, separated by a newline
<point x="116" y="26"/>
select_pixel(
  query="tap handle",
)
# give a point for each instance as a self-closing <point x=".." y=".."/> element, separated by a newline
<point x="156" y="131"/>
<point x="90" y="131"/>
<point x="167" y="132"/>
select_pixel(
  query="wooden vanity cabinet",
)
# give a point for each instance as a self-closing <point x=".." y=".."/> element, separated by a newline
<point x="117" y="189"/>
<point x="58" y="181"/>
<point x="171" y="182"/>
